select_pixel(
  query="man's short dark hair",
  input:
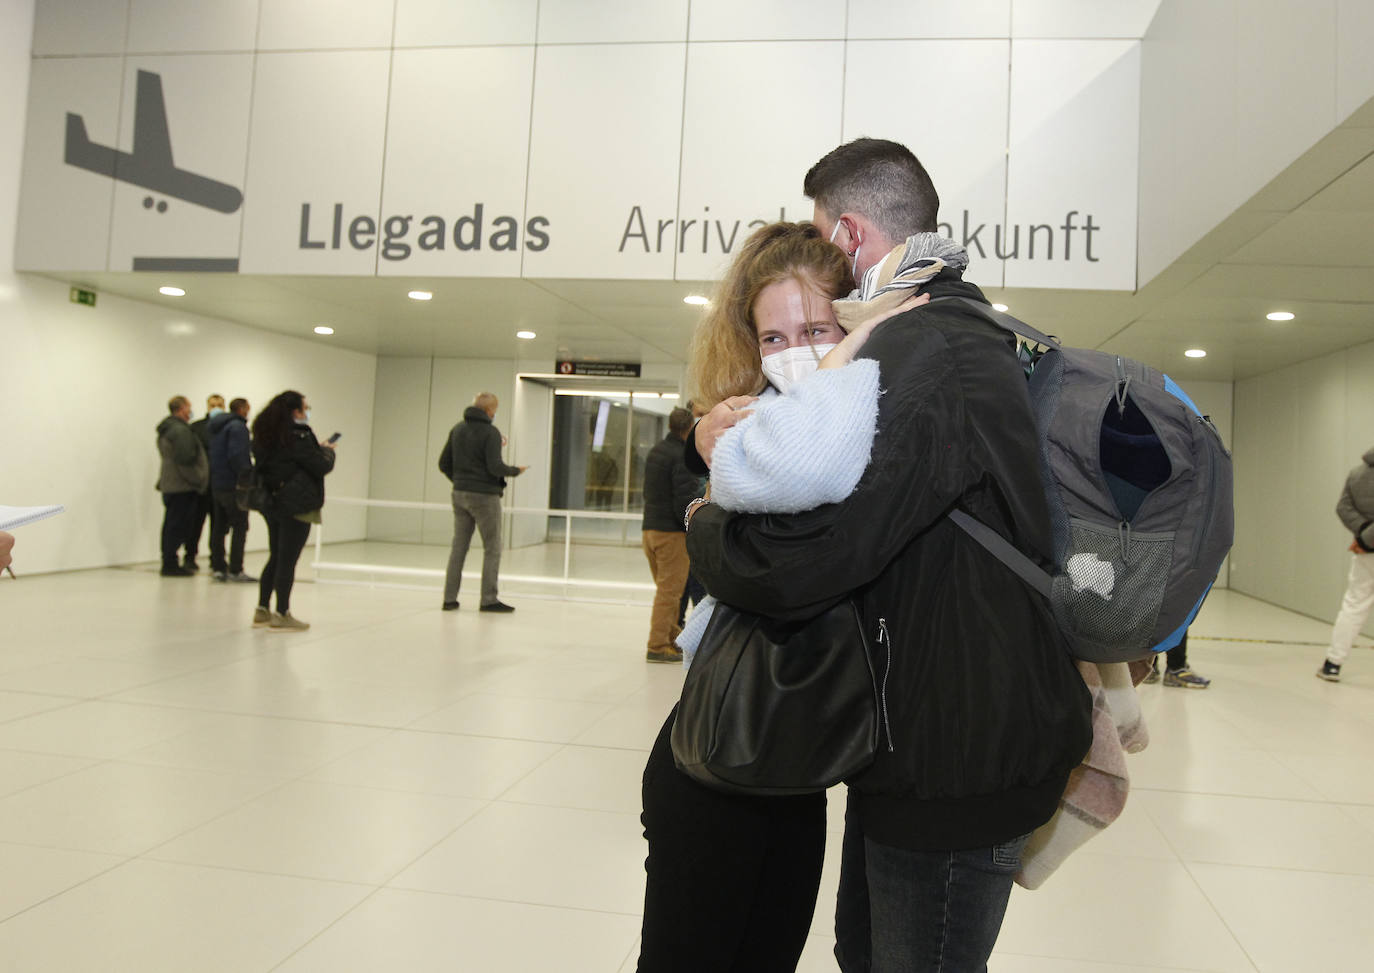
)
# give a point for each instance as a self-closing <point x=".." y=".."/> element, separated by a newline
<point x="679" y="421"/>
<point x="879" y="179"/>
<point x="238" y="406"/>
<point x="176" y="402"/>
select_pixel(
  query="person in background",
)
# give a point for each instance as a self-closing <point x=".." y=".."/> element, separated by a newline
<point x="184" y="475"/>
<point x="1176" y="671"/>
<point x="471" y="459"/>
<point x="205" y="501"/>
<point x="1356" y="510"/>
<point x="230" y="459"/>
<point x="293" y="465"/>
<point x="693" y="591"/>
<point x="668" y="487"/>
<point x="6" y="546"/>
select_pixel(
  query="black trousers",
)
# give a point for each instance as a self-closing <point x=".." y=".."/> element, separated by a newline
<point x="178" y="514"/>
<point x="227" y="519"/>
<point x="732" y="879"/>
<point x="205" y="507"/>
<point x="285" y="540"/>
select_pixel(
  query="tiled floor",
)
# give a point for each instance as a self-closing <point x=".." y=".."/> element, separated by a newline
<point x="401" y="789"/>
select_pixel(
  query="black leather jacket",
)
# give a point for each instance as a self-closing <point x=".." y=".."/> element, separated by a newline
<point x="294" y="474"/>
<point x="984" y="712"/>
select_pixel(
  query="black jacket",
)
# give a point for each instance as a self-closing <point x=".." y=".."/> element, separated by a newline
<point x="985" y="712"/>
<point x="229" y="452"/>
<point x="471" y="457"/>
<point x="294" y="474"/>
<point x="201" y="427"/>
<point x="668" y="486"/>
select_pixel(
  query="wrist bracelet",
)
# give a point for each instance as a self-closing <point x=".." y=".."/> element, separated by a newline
<point x="691" y="509"/>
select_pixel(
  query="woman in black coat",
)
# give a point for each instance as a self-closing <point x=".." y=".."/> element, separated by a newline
<point x="292" y="463"/>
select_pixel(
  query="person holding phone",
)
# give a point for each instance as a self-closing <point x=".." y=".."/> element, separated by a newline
<point x="471" y="459"/>
<point x="293" y="465"/>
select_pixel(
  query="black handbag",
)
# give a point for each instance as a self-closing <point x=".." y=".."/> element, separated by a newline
<point x="250" y="492"/>
<point x="776" y="708"/>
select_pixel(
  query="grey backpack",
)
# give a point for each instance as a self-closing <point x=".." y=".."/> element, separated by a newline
<point x="1139" y="490"/>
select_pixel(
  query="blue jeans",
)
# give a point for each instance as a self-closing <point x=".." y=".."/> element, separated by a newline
<point x="905" y="911"/>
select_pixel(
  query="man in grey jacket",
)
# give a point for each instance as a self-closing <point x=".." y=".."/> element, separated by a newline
<point x="1356" y="510"/>
<point x="184" y="476"/>
<point x="471" y="459"/>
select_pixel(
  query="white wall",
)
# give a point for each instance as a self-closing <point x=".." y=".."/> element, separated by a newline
<point x="1215" y="400"/>
<point x="82" y="388"/>
<point x="1298" y="433"/>
<point x="1231" y="92"/>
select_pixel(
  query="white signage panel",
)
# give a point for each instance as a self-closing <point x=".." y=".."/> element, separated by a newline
<point x="158" y="26"/>
<point x="458" y="128"/>
<point x="757" y="116"/>
<point x="762" y="20"/>
<point x="605" y="140"/>
<point x="961" y="140"/>
<point x="610" y="21"/>
<point x="313" y="192"/>
<point x="187" y="132"/>
<point x="879" y="19"/>
<point x="64" y="208"/>
<point x="322" y="24"/>
<point x="1073" y="164"/>
<point x="436" y="23"/>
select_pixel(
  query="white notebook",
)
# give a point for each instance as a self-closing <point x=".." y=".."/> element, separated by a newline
<point x="12" y="517"/>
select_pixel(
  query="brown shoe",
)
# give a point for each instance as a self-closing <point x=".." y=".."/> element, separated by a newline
<point x="663" y="655"/>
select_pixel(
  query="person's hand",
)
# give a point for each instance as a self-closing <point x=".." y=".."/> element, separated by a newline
<point x="722" y="417"/>
<point x="503" y="442"/>
<point x="327" y="445"/>
<point x="843" y="353"/>
<point x="1355" y="547"/>
<point x="523" y="468"/>
<point x="6" y="545"/>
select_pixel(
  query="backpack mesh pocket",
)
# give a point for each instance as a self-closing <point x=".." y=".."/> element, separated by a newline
<point x="1111" y="586"/>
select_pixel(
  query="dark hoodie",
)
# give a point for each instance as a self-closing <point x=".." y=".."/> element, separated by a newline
<point x="229" y="455"/>
<point x="472" y="455"/>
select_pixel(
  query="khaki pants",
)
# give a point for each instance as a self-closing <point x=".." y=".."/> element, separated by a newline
<point x="667" y="554"/>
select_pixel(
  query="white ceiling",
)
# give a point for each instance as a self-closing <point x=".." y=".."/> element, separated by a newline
<point x="1304" y="243"/>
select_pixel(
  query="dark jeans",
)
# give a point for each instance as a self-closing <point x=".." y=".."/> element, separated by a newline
<point x="285" y="541"/>
<point x="228" y="519"/>
<point x="179" y="512"/>
<point x="205" y="507"/>
<point x="1178" y="655"/>
<point x="905" y="911"/>
<point x="732" y="879"/>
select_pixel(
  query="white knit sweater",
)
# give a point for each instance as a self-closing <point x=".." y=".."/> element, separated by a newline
<point x="797" y="451"/>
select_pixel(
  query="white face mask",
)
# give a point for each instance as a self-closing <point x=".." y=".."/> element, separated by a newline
<point x="785" y="368"/>
<point x="216" y="411"/>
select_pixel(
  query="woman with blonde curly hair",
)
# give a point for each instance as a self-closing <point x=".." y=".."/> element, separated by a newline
<point x="732" y="878"/>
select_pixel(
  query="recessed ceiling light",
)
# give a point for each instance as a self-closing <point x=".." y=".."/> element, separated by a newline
<point x="1280" y="315"/>
<point x="669" y="395"/>
<point x="323" y="329"/>
<point x="1195" y="353"/>
<point x="419" y="295"/>
<point x="999" y="307"/>
<point x="696" y="299"/>
<point x="527" y="335"/>
<point x="172" y="291"/>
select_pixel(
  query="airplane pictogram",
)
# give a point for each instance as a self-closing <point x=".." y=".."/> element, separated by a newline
<point x="150" y="163"/>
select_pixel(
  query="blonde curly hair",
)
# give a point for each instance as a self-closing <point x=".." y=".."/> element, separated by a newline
<point x="724" y="356"/>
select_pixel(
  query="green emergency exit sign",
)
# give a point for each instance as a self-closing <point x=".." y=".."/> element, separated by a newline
<point x="83" y="297"/>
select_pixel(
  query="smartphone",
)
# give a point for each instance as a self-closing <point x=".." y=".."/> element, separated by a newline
<point x="334" y="438"/>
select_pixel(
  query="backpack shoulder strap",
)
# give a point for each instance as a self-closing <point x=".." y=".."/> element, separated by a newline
<point x="1003" y="320"/>
<point x="996" y="545"/>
